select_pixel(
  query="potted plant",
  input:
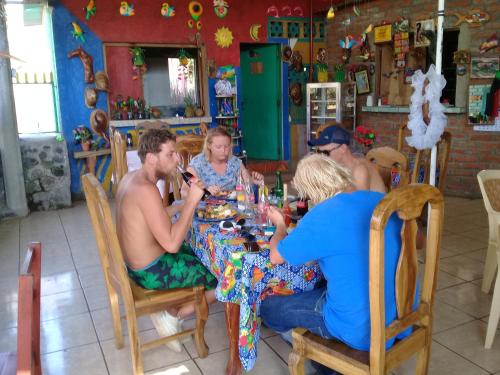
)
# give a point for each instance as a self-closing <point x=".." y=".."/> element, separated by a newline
<point x="365" y="137"/>
<point x="83" y="136"/>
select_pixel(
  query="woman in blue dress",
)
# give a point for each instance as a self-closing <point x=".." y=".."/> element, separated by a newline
<point x="217" y="167"/>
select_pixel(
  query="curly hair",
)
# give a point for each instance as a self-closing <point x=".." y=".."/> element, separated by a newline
<point x="151" y="141"/>
<point x="215" y="132"/>
<point x="318" y="178"/>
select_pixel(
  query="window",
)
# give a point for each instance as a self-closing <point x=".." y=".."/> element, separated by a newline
<point x="171" y="79"/>
<point x="30" y="40"/>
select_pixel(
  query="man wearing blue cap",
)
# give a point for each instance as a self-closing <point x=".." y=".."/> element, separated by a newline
<point x="334" y="142"/>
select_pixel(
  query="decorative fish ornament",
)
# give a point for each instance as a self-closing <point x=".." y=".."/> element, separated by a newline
<point x="475" y="18"/>
<point x="90" y="9"/>
<point x="167" y="10"/>
<point x="77" y="32"/>
<point x="126" y="9"/>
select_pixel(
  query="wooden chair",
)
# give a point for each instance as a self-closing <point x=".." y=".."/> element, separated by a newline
<point x="188" y="146"/>
<point x="118" y="157"/>
<point x="137" y="301"/>
<point x="422" y="158"/>
<point x="407" y="202"/>
<point x="489" y="182"/>
<point x="392" y="166"/>
<point x="27" y="359"/>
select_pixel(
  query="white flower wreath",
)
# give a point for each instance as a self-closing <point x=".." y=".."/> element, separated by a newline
<point x="424" y="136"/>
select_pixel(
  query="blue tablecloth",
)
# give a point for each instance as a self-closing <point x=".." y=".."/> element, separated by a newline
<point x="247" y="278"/>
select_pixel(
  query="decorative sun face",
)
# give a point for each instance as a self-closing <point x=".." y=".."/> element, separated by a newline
<point x="224" y="37"/>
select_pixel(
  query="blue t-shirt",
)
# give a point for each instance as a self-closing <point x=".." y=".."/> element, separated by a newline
<point x="209" y="176"/>
<point x="336" y="234"/>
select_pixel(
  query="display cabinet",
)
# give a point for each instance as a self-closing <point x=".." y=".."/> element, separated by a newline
<point x="227" y="116"/>
<point x="330" y="103"/>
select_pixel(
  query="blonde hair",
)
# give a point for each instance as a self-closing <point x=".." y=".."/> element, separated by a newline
<point x="318" y="178"/>
<point x="216" y="132"/>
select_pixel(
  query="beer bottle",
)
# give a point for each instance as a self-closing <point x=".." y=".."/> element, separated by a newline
<point x="278" y="189"/>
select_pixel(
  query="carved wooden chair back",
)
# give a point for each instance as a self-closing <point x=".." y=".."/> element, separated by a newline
<point x="407" y="202"/>
<point x="137" y="301"/>
<point x="118" y="157"/>
<point x="392" y="166"/>
<point x="420" y="169"/>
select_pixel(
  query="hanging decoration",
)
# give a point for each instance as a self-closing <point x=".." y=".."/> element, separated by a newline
<point x="461" y="59"/>
<point x="90" y="9"/>
<point x="331" y="13"/>
<point x="183" y="57"/>
<point x="254" y="31"/>
<point x="167" y="10"/>
<point x="401" y="42"/>
<point x="198" y="25"/>
<point x="90" y="96"/>
<point x="364" y="45"/>
<point x="298" y="12"/>
<point x="296" y="62"/>
<point x="295" y="92"/>
<point x="87" y="61"/>
<point x="195" y="9"/>
<point x="347" y="44"/>
<point x="286" y="11"/>
<point x="221" y="7"/>
<point x="490" y="43"/>
<point x="138" y="62"/>
<point x="126" y="9"/>
<point x="190" y="23"/>
<point x="223" y="37"/>
<point x="423" y="135"/>
<point x="77" y="32"/>
<point x="356" y="10"/>
<point x="321" y="65"/>
<point x="272" y="11"/>
<point x="474" y="18"/>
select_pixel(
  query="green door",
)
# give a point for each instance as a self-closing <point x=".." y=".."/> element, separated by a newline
<point x="261" y="100"/>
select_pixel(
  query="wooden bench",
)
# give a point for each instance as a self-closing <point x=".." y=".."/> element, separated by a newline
<point x="27" y="359"/>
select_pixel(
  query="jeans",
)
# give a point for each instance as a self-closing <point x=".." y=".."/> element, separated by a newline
<point x="283" y="313"/>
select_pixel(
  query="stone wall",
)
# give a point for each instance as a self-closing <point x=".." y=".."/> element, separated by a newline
<point x="471" y="151"/>
<point x="46" y="172"/>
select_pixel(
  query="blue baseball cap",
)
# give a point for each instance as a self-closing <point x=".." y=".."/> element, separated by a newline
<point x="332" y="134"/>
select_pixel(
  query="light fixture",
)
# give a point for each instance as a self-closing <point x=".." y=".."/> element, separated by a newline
<point x="331" y="12"/>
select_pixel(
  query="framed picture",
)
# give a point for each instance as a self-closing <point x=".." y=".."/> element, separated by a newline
<point x="483" y="67"/>
<point x="383" y="33"/>
<point x="425" y="31"/>
<point x="477" y="103"/>
<point x="362" y="82"/>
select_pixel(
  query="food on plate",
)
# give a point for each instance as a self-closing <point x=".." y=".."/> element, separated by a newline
<point x="217" y="212"/>
<point x="227" y="194"/>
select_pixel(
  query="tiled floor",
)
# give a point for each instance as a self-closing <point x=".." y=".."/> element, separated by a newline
<point x="77" y="336"/>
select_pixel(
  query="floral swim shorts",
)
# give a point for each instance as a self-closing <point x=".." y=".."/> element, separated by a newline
<point x="170" y="271"/>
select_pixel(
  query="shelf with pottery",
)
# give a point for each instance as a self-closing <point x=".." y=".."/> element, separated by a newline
<point x="170" y="120"/>
<point x="406" y="109"/>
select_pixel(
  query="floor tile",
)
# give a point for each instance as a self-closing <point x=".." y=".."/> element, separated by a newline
<point x="446" y="317"/>
<point x="91" y="276"/>
<point x="60" y="282"/>
<point x="460" y="244"/>
<point x="8" y="289"/>
<point x="443" y="362"/>
<point x="119" y="360"/>
<point x="8" y="340"/>
<point x="463" y="267"/>
<point x="104" y="324"/>
<point x="215" y="334"/>
<point x="85" y="359"/>
<point x="8" y="315"/>
<point x="445" y="280"/>
<point x="268" y="363"/>
<point x="479" y="255"/>
<point x="67" y="332"/>
<point x="183" y="368"/>
<point x="97" y="298"/>
<point x="468" y="341"/>
<point x="467" y="298"/>
<point x="63" y="304"/>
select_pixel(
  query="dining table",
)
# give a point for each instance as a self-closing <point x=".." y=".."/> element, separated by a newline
<point x="245" y="279"/>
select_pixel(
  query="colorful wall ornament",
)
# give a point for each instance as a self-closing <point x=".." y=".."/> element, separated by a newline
<point x="223" y="37"/>
<point x="221" y="8"/>
<point x="167" y="10"/>
<point x="90" y="9"/>
<point x="77" y="32"/>
<point x="195" y="9"/>
<point x="126" y="9"/>
<point x="254" y="31"/>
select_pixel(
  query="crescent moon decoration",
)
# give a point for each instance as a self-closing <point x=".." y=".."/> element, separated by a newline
<point x="254" y="31"/>
<point x="224" y="37"/>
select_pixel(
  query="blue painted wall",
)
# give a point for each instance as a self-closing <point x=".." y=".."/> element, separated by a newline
<point x="71" y="83"/>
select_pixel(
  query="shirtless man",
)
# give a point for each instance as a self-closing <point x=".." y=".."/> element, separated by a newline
<point x="334" y="142"/>
<point x="153" y="246"/>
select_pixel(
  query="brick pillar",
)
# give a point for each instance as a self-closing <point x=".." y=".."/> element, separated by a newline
<point x="15" y="195"/>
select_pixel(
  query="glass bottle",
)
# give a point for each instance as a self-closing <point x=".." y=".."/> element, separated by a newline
<point x="130" y="143"/>
<point x="240" y="193"/>
<point x="263" y="204"/>
<point x="278" y="189"/>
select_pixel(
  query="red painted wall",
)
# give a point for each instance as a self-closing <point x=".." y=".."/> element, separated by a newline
<point x="119" y="68"/>
<point x="148" y="26"/>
